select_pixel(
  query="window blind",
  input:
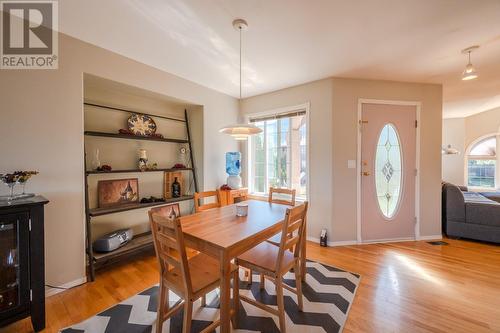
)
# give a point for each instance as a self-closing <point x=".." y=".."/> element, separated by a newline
<point x="278" y="116"/>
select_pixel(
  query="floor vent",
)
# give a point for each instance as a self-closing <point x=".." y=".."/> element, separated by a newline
<point x="438" y="243"/>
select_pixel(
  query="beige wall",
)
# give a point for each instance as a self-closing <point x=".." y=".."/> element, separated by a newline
<point x="42" y="129"/>
<point x="319" y="95"/>
<point x="333" y="141"/>
<point x="461" y="133"/>
<point x="453" y="165"/>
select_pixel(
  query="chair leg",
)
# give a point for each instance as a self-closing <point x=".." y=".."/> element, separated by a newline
<point x="236" y="299"/>
<point x="162" y="307"/>
<point x="188" y="314"/>
<point x="204" y="300"/>
<point x="262" y="285"/>
<point x="298" y="285"/>
<point x="281" y="304"/>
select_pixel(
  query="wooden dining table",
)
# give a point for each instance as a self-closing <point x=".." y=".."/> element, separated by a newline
<point x="221" y="234"/>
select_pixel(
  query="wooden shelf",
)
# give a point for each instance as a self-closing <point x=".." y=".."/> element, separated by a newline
<point x="93" y="172"/>
<point x="138" y="243"/>
<point x="123" y="208"/>
<point x="133" y="137"/>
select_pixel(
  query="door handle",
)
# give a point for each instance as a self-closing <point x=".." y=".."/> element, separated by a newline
<point x="365" y="173"/>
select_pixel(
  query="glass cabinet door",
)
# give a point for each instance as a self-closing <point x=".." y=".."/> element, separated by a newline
<point x="12" y="254"/>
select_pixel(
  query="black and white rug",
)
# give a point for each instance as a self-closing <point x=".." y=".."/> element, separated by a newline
<point x="328" y="295"/>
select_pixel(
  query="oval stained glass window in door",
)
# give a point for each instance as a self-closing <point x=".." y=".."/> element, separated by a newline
<point x="388" y="170"/>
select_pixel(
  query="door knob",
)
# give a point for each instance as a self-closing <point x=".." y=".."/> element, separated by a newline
<point x="365" y="173"/>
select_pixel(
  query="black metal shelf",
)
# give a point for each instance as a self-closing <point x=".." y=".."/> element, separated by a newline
<point x="93" y="172"/>
<point x="93" y="212"/>
<point x="141" y="242"/>
<point x="134" y="137"/>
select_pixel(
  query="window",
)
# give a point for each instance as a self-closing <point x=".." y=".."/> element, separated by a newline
<point x="278" y="155"/>
<point x="481" y="163"/>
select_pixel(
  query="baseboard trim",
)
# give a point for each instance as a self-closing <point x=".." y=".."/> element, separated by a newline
<point x="49" y="291"/>
<point x="389" y="240"/>
<point x="335" y="243"/>
<point x="430" y="237"/>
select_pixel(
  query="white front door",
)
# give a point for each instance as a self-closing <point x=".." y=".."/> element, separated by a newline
<point x="388" y="171"/>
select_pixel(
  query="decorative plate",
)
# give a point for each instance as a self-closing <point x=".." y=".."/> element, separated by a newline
<point x="141" y="124"/>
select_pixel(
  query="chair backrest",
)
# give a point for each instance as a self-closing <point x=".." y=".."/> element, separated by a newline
<point x="201" y="195"/>
<point x="169" y="245"/>
<point x="284" y="191"/>
<point x="292" y="234"/>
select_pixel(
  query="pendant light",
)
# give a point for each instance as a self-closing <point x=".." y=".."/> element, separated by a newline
<point x="469" y="72"/>
<point x="240" y="131"/>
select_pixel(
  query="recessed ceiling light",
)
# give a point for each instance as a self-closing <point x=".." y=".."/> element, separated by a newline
<point x="470" y="72"/>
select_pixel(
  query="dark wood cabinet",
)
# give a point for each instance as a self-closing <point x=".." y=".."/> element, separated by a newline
<point x="22" y="272"/>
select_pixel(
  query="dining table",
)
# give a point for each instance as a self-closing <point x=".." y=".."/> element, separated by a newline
<point x="220" y="233"/>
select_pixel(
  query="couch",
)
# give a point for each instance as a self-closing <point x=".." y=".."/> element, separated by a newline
<point x="470" y="214"/>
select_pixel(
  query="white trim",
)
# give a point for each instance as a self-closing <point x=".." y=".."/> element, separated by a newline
<point x="418" y="106"/>
<point x="53" y="291"/>
<point x="335" y="243"/>
<point x="304" y="106"/>
<point x="389" y="240"/>
<point x="430" y="237"/>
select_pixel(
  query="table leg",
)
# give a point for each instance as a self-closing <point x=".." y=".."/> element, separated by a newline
<point x="303" y="255"/>
<point x="225" y="295"/>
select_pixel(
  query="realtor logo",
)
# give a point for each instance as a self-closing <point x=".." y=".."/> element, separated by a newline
<point x="29" y="35"/>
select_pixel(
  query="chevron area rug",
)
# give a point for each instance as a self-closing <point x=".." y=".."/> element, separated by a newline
<point x="328" y="295"/>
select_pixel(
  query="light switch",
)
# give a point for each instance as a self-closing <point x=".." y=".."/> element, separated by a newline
<point x="351" y="164"/>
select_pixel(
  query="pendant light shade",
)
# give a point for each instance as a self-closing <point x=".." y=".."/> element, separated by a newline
<point x="240" y="131"/>
<point x="470" y="72"/>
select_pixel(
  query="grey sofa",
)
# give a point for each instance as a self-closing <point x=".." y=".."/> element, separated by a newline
<point x="470" y="214"/>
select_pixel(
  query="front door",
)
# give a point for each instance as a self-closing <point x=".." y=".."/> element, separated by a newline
<point x="388" y="171"/>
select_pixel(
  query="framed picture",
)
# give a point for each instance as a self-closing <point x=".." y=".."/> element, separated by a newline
<point x="117" y="192"/>
<point x="168" y="179"/>
<point x="171" y="210"/>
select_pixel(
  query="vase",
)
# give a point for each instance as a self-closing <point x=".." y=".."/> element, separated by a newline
<point x="96" y="162"/>
<point x="143" y="159"/>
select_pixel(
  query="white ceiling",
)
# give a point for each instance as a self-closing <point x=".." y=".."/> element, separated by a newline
<point x="296" y="41"/>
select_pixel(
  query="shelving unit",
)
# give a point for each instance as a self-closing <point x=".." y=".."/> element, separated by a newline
<point x="142" y="242"/>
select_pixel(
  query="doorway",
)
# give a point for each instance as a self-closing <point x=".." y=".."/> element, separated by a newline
<point x="387" y="182"/>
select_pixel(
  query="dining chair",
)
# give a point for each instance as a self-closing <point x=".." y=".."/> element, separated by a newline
<point x="202" y="195"/>
<point x="290" y="193"/>
<point x="274" y="262"/>
<point x="189" y="279"/>
<point x="275" y="240"/>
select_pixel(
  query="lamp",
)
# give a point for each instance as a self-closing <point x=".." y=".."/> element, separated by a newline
<point x="448" y="150"/>
<point x="470" y="72"/>
<point x="240" y="131"/>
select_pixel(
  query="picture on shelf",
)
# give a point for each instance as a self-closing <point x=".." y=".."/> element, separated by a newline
<point x="172" y="211"/>
<point x="168" y="180"/>
<point x="117" y="192"/>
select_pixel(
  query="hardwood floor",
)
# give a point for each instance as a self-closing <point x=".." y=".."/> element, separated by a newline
<point x="405" y="287"/>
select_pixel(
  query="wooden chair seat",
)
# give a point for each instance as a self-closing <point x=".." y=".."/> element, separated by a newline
<point x="263" y="257"/>
<point x="205" y="273"/>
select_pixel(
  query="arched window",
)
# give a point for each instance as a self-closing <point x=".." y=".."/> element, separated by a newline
<point x="481" y="163"/>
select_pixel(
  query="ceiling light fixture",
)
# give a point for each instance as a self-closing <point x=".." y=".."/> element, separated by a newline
<point x="240" y="131"/>
<point x="469" y="72"/>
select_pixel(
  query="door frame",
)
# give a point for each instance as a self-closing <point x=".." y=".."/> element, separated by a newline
<point x="418" y="106"/>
